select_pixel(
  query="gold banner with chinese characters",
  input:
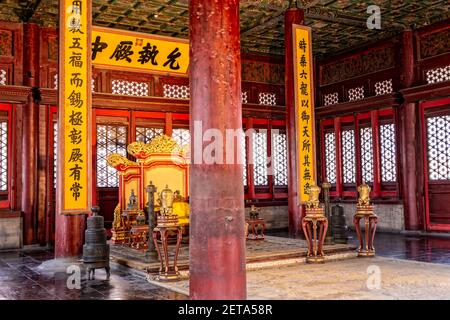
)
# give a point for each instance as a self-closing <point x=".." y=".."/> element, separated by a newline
<point x="132" y="50"/>
<point x="304" y="110"/>
<point x="75" y="106"/>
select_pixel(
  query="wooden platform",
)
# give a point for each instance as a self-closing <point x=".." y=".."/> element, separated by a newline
<point x="271" y="252"/>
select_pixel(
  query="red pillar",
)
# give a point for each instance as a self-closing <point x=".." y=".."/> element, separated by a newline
<point x="30" y="136"/>
<point x="216" y="244"/>
<point x="410" y="138"/>
<point x="292" y="16"/>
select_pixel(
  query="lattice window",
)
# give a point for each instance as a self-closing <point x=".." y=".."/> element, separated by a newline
<point x="55" y="152"/>
<point x="383" y="87"/>
<point x="279" y="155"/>
<point x="366" y="154"/>
<point x="438" y="142"/>
<point x="330" y="98"/>
<point x="130" y="88"/>
<point x="244" y="97"/>
<point x="243" y="144"/>
<point x="145" y="134"/>
<point x="330" y="157"/>
<point x="110" y="139"/>
<point x="356" y="94"/>
<point x="438" y="75"/>
<point x="260" y="158"/>
<point x="181" y="136"/>
<point x="3" y="78"/>
<point x="348" y="156"/>
<point x="55" y="83"/>
<point x="176" y="91"/>
<point x="267" y="98"/>
<point x="388" y="153"/>
<point x="3" y="155"/>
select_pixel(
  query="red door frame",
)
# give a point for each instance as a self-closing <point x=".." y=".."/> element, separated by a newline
<point x="423" y="107"/>
<point x="6" y="204"/>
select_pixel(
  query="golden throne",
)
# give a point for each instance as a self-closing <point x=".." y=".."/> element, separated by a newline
<point x="161" y="162"/>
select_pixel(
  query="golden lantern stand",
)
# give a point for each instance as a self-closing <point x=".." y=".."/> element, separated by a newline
<point x="364" y="209"/>
<point x="370" y="223"/>
<point x="315" y="219"/>
<point x="165" y="225"/>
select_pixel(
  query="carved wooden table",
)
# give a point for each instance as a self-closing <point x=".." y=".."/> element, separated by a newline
<point x="254" y="226"/>
<point x="138" y="236"/>
<point x="314" y="217"/>
<point x="166" y="272"/>
<point x="370" y="225"/>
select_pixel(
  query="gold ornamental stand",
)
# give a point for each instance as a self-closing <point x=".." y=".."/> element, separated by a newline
<point x="315" y="219"/>
<point x="364" y="210"/>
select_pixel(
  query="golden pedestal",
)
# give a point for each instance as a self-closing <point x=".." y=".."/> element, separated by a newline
<point x="315" y="216"/>
<point x="370" y="223"/>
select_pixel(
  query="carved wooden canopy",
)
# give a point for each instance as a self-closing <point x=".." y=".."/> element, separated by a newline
<point x="337" y="25"/>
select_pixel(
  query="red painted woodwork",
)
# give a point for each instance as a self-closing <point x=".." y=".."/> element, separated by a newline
<point x="437" y="193"/>
<point x="30" y="127"/>
<point x="11" y="58"/>
<point x="292" y="16"/>
<point x="215" y="71"/>
<point x="5" y="197"/>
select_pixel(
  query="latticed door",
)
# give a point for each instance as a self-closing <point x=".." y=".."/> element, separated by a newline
<point x="436" y="126"/>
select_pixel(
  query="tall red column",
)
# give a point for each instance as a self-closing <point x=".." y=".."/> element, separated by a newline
<point x="30" y="135"/>
<point x="292" y="16"/>
<point x="216" y="244"/>
<point x="410" y="138"/>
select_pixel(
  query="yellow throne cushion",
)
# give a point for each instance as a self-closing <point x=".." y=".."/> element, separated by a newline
<point x="181" y="209"/>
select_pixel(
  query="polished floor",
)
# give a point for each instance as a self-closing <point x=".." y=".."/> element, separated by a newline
<point x="21" y="276"/>
<point x="433" y="249"/>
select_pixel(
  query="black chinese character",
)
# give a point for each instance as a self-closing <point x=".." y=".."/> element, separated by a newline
<point x="98" y="46"/>
<point x="302" y="45"/>
<point x="172" y="59"/>
<point x="123" y="51"/>
<point x="306" y="145"/>
<point x="303" y="74"/>
<point x="76" y="44"/>
<point x="75" y="136"/>
<point x="306" y="188"/>
<point x="76" y="155"/>
<point x="305" y="116"/>
<point x="304" y="89"/>
<point x="306" y="162"/>
<point x="75" y="99"/>
<point x="305" y="132"/>
<point x="76" y="187"/>
<point x="76" y="172"/>
<point x="75" y="60"/>
<point x="303" y="61"/>
<point x="305" y="103"/>
<point x="307" y="174"/>
<point x="148" y="53"/>
<point x="76" y="81"/>
<point x="76" y="118"/>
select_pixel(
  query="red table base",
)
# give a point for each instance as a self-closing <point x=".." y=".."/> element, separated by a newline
<point x="315" y="239"/>
<point x="370" y="224"/>
<point x="166" y="272"/>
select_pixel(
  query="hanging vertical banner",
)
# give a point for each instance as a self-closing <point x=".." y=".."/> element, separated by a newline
<point x="304" y="107"/>
<point x="74" y="107"/>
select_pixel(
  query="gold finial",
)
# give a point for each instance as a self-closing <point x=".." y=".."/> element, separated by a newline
<point x="364" y="194"/>
<point x="313" y="192"/>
